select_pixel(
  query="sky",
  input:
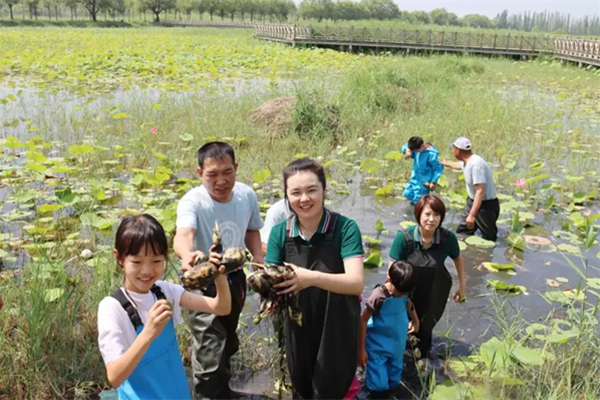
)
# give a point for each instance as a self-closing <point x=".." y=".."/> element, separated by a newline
<point x="577" y="8"/>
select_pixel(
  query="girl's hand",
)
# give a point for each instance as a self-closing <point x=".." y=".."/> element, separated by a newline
<point x="158" y="316"/>
<point x="299" y="280"/>
<point x="362" y="358"/>
<point x="460" y="296"/>
<point x="413" y="327"/>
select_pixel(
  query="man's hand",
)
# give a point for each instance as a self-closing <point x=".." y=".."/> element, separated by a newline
<point x="470" y="222"/>
<point x="188" y="259"/>
<point x="407" y="153"/>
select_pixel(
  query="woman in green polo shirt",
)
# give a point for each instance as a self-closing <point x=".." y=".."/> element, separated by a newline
<point x="426" y="246"/>
<point x="326" y="253"/>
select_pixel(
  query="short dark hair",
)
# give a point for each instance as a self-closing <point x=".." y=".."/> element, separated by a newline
<point x="401" y="276"/>
<point x="216" y="150"/>
<point x="436" y="204"/>
<point x="415" y="143"/>
<point x="137" y="231"/>
<point x="301" y="165"/>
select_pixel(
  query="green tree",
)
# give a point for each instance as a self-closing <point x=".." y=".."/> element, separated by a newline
<point x="382" y="9"/>
<point x="158" y="6"/>
<point x="439" y="16"/>
<point x="92" y="6"/>
<point x="11" y="4"/>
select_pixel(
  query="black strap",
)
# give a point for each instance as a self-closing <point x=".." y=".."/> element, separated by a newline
<point x="132" y="313"/>
<point x="410" y="244"/>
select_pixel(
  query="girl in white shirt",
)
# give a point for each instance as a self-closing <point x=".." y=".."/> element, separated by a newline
<point x="136" y="332"/>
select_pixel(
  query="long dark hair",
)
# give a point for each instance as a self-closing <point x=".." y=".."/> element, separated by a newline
<point x="304" y="164"/>
<point x="137" y="231"/>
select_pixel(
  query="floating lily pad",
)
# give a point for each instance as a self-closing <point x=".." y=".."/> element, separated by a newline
<point x="569" y="248"/>
<point x="516" y="241"/>
<point x="561" y="279"/>
<point x="374" y="260"/>
<point x="552" y="283"/>
<point x="507" y="287"/>
<point x="479" y="242"/>
<point x="537" y="241"/>
<point x="407" y="224"/>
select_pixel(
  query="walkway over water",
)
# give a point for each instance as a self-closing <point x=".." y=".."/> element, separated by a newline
<point x="582" y="51"/>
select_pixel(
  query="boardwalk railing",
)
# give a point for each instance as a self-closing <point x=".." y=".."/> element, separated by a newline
<point x="585" y="51"/>
<point x="457" y="41"/>
<point x="582" y="50"/>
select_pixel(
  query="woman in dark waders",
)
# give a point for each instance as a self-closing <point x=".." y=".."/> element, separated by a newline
<point x="426" y="246"/>
<point x="325" y="250"/>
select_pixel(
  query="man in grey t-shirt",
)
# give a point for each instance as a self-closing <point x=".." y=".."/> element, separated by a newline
<point x="235" y="208"/>
<point x="482" y="208"/>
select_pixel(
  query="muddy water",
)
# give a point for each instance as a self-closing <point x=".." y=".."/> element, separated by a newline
<point x="466" y="324"/>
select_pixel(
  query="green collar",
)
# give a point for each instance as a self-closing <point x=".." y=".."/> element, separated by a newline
<point x="417" y="235"/>
<point x="322" y="228"/>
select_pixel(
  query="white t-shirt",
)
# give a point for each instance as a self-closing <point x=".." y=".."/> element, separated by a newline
<point x="115" y="330"/>
<point x="197" y="210"/>
<point x="476" y="172"/>
<point x="277" y="212"/>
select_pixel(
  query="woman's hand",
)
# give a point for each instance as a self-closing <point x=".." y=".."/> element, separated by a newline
<point x="413" y="327"/>
<point x="459" y="296"/>
<point x="362" y="358"/>
<point x="299" y="280"/>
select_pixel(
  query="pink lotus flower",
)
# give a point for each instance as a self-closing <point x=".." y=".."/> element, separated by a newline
<point x="520" y="183"/>
<point x="154" y="131"/>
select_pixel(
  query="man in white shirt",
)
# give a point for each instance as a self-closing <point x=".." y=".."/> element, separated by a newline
<point x="482" y="208"/>
<point x="234" y="207"/>
<point x="280" y="211"/>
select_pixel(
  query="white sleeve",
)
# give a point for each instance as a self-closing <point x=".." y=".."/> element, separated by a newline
<point x="112" y="330"/>
<point x="187" y="216"/>
<point x="256" y="221"/>
<point x="173" y="294"/>
<point x="275" y="214"/>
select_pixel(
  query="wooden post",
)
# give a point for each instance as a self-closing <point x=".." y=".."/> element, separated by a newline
<point x="429" y="37"/>
<point x="455" y="40"/>
<point x="521" y="44"/>
<point x="495" y="39"/>
<point x="533" y="46"/>
<point x="507" y="41"/>
<point x="468" y="39"/>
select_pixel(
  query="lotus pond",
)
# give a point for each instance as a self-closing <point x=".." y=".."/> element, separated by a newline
<point x="97" y="124"/>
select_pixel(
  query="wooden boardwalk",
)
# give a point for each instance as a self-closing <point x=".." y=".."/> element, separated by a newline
<point x="583" y="51"/>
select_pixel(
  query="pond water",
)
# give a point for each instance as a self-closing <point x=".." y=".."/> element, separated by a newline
<point x="466" y="324"/>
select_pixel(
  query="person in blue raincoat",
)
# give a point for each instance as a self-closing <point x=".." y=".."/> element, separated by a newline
<point x="426" y="168"/>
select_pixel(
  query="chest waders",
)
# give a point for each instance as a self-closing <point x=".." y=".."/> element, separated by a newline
<point x="385" y="344"/>
<point x="160" y="373"/>
<point x="322" y="353"/>
<point x="432" y="285"/>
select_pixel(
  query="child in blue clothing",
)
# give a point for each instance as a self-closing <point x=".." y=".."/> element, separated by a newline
<point x="136" y="324"/>
<point x="383" y="330"/>
<point x="426" y="168"/>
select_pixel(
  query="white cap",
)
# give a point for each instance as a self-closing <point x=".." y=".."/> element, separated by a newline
<point x="462" y="143"/>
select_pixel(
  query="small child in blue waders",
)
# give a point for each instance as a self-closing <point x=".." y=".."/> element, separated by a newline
<point x="383" y="330"/>
<point x="426" y="168"/>
<point x="136" y="324"/>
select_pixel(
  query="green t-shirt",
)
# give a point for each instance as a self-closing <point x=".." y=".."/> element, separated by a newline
<point x="347" y="237"/>
<point x="449" y="244"/>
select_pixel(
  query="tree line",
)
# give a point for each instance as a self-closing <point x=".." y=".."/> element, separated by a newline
<point x="308" y="11"/>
